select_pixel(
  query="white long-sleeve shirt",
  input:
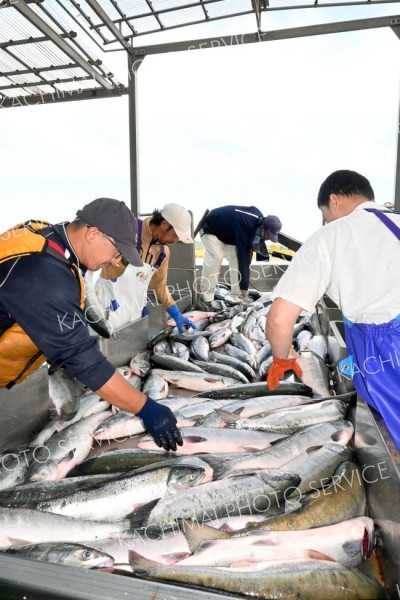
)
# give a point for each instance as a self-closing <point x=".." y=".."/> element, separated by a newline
<point x="355" y="260"/>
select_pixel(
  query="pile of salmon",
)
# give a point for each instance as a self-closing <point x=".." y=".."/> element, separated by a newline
<point x="264" y="498"/>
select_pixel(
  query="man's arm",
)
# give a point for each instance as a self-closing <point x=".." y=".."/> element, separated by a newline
<point x="159" y="284"/>
<point x="159" y="420"/>
<point x="279" y="326"/>
<point x="244" y="259"/>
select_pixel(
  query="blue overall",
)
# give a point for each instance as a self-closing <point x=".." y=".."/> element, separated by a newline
<point x="374" y="360"/>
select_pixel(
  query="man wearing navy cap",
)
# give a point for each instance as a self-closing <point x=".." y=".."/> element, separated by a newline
<point x="234" y="233"/>
<point x="42" y="314"/>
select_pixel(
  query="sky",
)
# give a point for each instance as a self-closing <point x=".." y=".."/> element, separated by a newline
<point x="258" y="125"/>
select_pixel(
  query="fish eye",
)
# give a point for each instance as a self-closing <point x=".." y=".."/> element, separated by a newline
<point x="86" y="554"/>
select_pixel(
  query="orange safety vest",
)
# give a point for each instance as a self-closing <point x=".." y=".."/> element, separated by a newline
<point x="19" y="356"/>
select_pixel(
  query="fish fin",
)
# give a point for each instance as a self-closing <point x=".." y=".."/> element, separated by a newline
<point x="249" y="449"/>
<point x="140" y="563"/>
<point x="195" y="418"/>
<point x="194" y="439"/>
<point x="139" y="517"/>
<point x="214" y="461"/>
<point x="196" y="533"/>
<point x="315" y="554"/>
<point x="228" y="417"/>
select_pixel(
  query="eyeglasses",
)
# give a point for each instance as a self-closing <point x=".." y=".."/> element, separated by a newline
<point x="118" y="254"/>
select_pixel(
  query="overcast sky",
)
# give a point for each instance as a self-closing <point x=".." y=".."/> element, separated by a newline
<point x="260" y="124"/>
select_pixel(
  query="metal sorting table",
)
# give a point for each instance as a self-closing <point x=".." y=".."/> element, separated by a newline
<point x="24" y="410"/>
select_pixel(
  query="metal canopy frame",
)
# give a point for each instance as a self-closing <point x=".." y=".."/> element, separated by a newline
<point x="52" y="50"/>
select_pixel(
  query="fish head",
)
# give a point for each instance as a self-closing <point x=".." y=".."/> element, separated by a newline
<point x="77" y="555"/>
<point x="183" y="477"/>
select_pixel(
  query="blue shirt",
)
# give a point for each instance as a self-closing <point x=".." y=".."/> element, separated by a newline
<point x="42" y="295"/>
<point x="236" y="226"/>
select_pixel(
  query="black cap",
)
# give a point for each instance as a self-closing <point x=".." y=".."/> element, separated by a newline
<point x="115" y="219"/>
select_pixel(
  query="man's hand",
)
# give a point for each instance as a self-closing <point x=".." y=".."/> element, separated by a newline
<point x="180" y="319"/>
<point x="160" y="422"/>
<point x="278" y="369"/>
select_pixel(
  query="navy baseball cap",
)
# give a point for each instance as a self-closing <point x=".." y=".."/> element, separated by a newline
<point x="116" y="220"/>
<point x="273" y="225"/>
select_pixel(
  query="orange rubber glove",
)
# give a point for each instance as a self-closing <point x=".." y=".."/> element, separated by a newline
<point x="279" y="368"/>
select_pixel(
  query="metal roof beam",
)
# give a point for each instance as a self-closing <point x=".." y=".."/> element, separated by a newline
<point x="163" y="11"/>
<point x="40" y="24"/>
<point x="34" y="40"/>
<point x="53" y="82"/>
<point x="269" y="36"/>
<point x="37" y="70"/>
<point x="61" y="96"/>
<point x="103" y="16"/>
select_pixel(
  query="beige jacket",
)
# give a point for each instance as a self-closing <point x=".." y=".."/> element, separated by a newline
<point x="149" y="253"/>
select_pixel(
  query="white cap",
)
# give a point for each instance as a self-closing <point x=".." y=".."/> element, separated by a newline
<point x="180" y="219"/>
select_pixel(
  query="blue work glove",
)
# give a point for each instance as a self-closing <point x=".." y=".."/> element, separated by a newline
<point x="179" y="318"/>
<point x="160" y="422"/>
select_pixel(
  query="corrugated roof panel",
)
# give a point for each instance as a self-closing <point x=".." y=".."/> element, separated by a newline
<point x="53" y="23"/>
<point x="84" y="6"/>
<point x="63" y="74"/>
<point x="180" y="17"/>
<point x="21" y="79"/>
<point x="9" y="63"/>
<point x="42" y="54"/>
<point x="340" y="2"/>
<point x="4" y="81"/>
<point x="126" y="29"/>
<point x="229" y="7"/>
<point x="14" y="26"/>
<point x="145" y="24"/>
<point x="13" y="93"/>
<point x="175" y="4"/>
<point x="291" y="3"/>
<point x="77" y="85"/>
<point x="110" y="9"/>
<point x="134" y="7"/>
<point x="40" y="89"/>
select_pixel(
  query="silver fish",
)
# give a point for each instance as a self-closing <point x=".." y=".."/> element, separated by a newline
<point x="117" y="498"/>
<point x="140" y="363"/>
<point x="64" y="553"/>
<point x="194" y="381"/>
<point x="64" y="449"/>
<point x="65" y="394"/>
<point x="200" y="348"/>
<point x="292" y="419"/>
<point x="291" y="580"/>
<point x="156" y="387"/>
<point x="35" y="526"/>
<point x="288" y="448"/>
<point x="240" y="495"/>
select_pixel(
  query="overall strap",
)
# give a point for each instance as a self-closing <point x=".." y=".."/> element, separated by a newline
<point x="386" y="221"/>
<point x="139" y="234"/>
<point x="160" y="259"/>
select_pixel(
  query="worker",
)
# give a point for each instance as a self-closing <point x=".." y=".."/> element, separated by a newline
<point x="354" y="260"/>
<point x="234" y="232"/>
<point x="41" y="306"/>
<point x="122" y="288"/>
